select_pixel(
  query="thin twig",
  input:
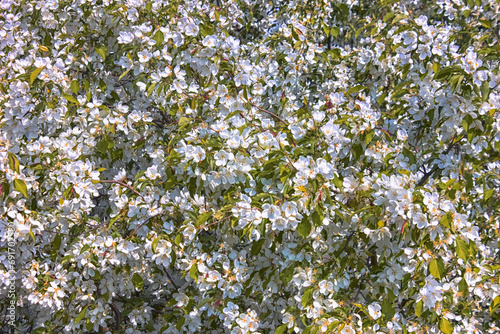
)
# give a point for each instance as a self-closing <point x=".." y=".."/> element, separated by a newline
<point x="147" y="220"/>
<point x="215" y="222"/>
<point x="122" y="184"/>
<point x="269" y="112"/>
<point x="436" y="166"/>
<point x="171" y="279"/>
<point x="347" y="241"/>
<point x="359" y="290"/>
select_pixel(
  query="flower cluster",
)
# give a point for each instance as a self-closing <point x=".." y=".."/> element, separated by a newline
<point x="250" y="166"/>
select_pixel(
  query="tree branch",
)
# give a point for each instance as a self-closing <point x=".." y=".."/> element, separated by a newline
<point x="122" y="184"/>
<point x="118" y="316"/>
<point x="269" y="112"/>
<point x="436" y="167"/>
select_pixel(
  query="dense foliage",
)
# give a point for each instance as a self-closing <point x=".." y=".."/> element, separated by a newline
<point x="236" y="166"/>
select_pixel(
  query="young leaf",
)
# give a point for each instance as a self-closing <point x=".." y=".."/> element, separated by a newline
<point x="20" y="186"/>
<point x="257" y="246"/>
<point x="355" y="89"/>
<point x="281" y="329"/>
<point x="35" y="74"/>
<point x="202" y="218"/>
<point x="388" y="309"/>
<point x="304" y="227"/>
<point x="154" y="244"/>
<point x="419" y="309"/>
<point x="102" y="51"/>
<point x="445" y="326"/>
<point x="307" y="296"/>
<point x="13" y="163"/>
<point x="56" y="244"/>
<point x="436" y="268"/>
<point x="462" y="249"/>
<point x="137" y="281"/>
<point x="75" y="86"/>
<point x="159" y="37"/>
<point x="81" y="315"/>
<point x="193" y="272"/>
<point x="71" y="98"/>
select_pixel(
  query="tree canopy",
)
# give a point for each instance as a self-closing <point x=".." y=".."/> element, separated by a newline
<point x="250" y="166"/>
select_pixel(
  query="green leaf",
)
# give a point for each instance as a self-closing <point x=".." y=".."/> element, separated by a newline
<point x="334" y="31"/>
<point x="488" y="194"/>
<point x="137" y="281"/>
<point x="81" y="315"/>
<point x="123" y="74"/>
<point x="75" y="86"/>
<point x="445" y="326"/>
<point x="66" y="259"/>
<point x="308" y="329"/>
<point x="183" y="122"/>
<point x="486" y="23"/>
<point x="462" y="249"/>
<point x="56" y="244"/>
<point x="388" y="309"/>
<point x="20" y="186"/>
<point x="171" y="302"/>
<point x="463" y="287"/>
<point x="233" y="113"/>
<point x="446" y="220"/>
<point x="306" y="297"/>
<point x="485" y="91"/>
<point x="14" y="163"/>
<point x="257" y="246"/>
<point x="102" y="51"/>
<point x="398" y="18"/>
<point x="281" y="329"/>
<point x="436" y="268"/>
<point x="446" y="71"/>
<point x="202" y="218"/>
<point x="495" y="304"/>
<point x="316" y="217"/>
<point x="159" y="37"/>
<point x="84" y="248"/>
<point x="89" y="325"/>
<point x="151" y="88"/>
<point x="287" y="273"/>
<point x="304" y="227"/>
<point x="35" y="74"/>
<point x="154" y="244"/>
<point x="70" y="98"/>
<point x="388" y="16"/>
<point x="180" y="323"/>
<point x="193" y="272"/>
<point x="419" y="309"/>
<point x="356" y="89"/>
<point x="338" y="183"/>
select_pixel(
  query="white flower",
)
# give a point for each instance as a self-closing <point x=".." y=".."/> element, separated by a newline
<point x="189" y="232"/>
<point x="192" y="29"/>
<point x="374" y="310"/>
<point x="152" y="172"/>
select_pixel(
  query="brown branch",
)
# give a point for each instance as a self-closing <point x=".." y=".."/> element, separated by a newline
<point x="122" y="184"/>
<point x="118" y="316"/>
<point x="170" y="278"/>
<point x="436" y="166"/>
<point x="138" y="227"/>
<point x="269" y="112"/>
<point x="347" y="242"/>
<point x="215" y="222"/>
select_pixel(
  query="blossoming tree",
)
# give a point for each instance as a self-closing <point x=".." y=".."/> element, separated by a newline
<point x="236" y="166"/>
